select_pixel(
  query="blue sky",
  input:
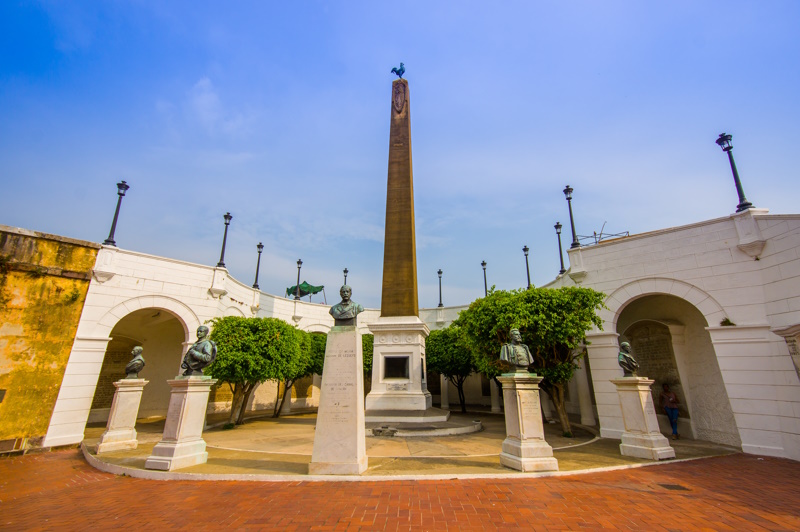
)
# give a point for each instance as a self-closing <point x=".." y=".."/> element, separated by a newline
<point x="279" y="113"/>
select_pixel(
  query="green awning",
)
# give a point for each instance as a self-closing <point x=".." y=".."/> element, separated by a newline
<point x="305" y="289"/>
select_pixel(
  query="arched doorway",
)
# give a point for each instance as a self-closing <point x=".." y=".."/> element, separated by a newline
<point x="669" y="340"/>
<point x="161" y="334"/>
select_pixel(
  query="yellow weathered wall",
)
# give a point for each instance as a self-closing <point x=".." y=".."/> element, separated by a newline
<point x="43" y="284"/>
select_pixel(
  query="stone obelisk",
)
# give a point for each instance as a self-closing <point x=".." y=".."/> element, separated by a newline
<point x="399" y="386"/>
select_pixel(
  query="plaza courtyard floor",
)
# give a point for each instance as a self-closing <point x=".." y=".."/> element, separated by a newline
<point x="60" y="491"/>
<point x="280" y="449"/>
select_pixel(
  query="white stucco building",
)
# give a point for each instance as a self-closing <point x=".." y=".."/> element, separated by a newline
<point x="712" y="308"/>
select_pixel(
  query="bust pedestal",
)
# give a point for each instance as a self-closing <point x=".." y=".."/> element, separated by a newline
<point x="641" y="438"/>
<point x="120" y="433"/>
<point x="524" y="448"/>
<point x="182" y="443"/>
<point x="340" y="446"/>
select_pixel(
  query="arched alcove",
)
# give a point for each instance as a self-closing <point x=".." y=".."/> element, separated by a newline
<point x="668" y="336"/>
<point x="161" y="334"/>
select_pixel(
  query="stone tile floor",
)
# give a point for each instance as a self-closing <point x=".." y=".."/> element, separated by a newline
<point x="60" y="491"/>
<point x="283" y="446"/>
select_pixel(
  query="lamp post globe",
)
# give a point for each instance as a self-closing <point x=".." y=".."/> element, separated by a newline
<point x="345" y="271"/>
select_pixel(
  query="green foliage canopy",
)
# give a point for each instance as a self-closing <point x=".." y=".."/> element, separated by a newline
<point x="254" y="349"/>
<point x="447" y="352"/>
<point x="552" y="321"/>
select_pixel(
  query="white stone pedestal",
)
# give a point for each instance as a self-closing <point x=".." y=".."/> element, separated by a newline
<point x="398" y="372"/>
<point x="182" y="443"/>
<point x="120" y="433"/>
<point x="641" y="437"/>
<point x="524" y="448"/>
<point x="340" y="446"/>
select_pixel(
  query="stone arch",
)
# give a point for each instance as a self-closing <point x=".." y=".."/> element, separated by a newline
<point x="181" y="311"/>
<point x="670" y="339"/>
<point x="234" y="311"/>
<point x="317" y="327"/>
<point x="627" y="293"/>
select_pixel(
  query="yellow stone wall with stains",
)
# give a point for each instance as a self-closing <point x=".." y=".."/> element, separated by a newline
<point x="43" y="284"/>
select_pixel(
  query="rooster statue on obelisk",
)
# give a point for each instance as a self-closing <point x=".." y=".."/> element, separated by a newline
<point x="399" y="384"/>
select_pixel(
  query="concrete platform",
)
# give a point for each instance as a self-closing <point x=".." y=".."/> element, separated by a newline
<point x="431" y="415"/>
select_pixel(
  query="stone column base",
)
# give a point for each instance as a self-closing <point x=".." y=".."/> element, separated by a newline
<point x="641" y="437"/>
<point x="524" y="448"/>
<point x="174" y="455"/>
<point x="528" y="456"/>
<point x="182" y="443"/>
<point x="650" y="446"/>
<point x="338" y="468"/>
<point x="120" y="434"/>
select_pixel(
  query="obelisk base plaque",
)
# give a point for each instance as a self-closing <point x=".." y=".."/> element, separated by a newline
<point x="182" y="443"/>
<point x="524" y="448"/>
<point x="641" y="438"/>
<point x="340" y="445"/>
<point x="120" y="431"/>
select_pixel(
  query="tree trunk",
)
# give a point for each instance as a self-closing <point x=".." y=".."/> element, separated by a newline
<point x="248" y="392"/>
<point x="561" y="409"/>
<point x="287" y="387"/>
<point x="459" y="384"/>
<point x="235" y="402"/>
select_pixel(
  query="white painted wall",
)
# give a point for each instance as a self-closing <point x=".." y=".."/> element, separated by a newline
<point x="744" y="267"/>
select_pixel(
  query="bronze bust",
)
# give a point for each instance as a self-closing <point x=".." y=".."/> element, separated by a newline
<point x="201" y="354"/>
<point x="345" y="312"/>
<point x="516" y="353"/>
<point x="626" y="360"/>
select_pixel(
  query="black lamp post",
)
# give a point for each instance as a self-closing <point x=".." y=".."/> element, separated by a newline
<point x="527" y="268"/>
<point x="568" y="194"/>
<point x="440" y="287"/>
<point x="297" y="288"/>
<point x="485" y="286"/>
<point x="122" y="187"/>
<point x="345" y="275"/>
<point x="560" y="254"/>
<point x="260" y="248"/>
<point x="724" y="142"/>
<point x="228" y="218"/>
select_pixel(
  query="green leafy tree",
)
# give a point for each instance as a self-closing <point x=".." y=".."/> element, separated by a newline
<point x="251" y="351"/>
<point x="310" y="360"/>
<point x="447" y="352"/>
<point x="553" y="323"/>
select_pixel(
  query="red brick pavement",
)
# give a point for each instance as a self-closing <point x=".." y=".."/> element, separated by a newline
<point x="59" y="490"/>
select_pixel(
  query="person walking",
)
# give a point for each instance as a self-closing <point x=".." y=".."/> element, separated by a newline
<point x="669" y="402"/>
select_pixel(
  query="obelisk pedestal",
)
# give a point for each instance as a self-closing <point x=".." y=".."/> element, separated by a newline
<point x="340" y="446"/>
<point x="524" y="448"/>
<point x="182" y="443"/>
<point x="641" y="438"/>
<point x="120" y="431"/>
